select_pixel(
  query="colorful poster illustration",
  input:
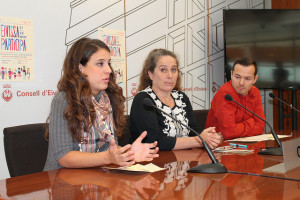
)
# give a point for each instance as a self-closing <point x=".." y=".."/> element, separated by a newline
<point x="16" y="49"/>
<point x="115" y="40"/>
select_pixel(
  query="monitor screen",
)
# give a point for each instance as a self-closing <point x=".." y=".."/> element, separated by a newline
<point x="271" y="38"/>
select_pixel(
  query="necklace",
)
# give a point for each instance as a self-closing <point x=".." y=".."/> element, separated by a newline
<point x="169" y="101"/>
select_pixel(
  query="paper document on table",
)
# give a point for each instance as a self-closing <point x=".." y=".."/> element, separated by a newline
<point x="258" y="138"/>
<point x="139" y="168"/>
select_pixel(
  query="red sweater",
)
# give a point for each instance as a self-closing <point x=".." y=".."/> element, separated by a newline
<point x="232" y="120"/>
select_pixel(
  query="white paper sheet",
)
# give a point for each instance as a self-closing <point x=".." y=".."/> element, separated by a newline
<point x="139" y="168"/>
<point x="258" y="138"/>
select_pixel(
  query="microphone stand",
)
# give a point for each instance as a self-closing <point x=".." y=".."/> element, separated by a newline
<point x="294" y="114"/>
<point x="289" y="105"/>
<point x="210" y="168"/>
<point x="277" y="151"/>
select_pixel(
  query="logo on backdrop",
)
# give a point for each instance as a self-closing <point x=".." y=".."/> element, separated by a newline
<point x="133" y="89"/>
<point x="7" y="94"/>
<point x="215" y="87"/>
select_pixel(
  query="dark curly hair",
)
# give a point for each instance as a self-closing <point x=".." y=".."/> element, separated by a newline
<point x="80" y="113"/>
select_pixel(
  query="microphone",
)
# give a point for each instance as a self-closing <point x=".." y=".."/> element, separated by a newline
<point x="272" y="95"/>
<point x="270" y="151"/>
<point x="210" y="168"/>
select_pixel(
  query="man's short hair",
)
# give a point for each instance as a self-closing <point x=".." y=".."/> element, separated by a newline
<point x="245" y="62"/>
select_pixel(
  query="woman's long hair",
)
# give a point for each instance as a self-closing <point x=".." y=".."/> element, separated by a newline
<point x="80" y="113"/>
<point x="150" y="64"/>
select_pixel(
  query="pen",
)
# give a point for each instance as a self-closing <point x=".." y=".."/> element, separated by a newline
<point x="238" y="145"/>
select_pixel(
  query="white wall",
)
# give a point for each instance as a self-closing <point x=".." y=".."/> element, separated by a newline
<point x="182" y="26"/>
<point x="50" y="20"/>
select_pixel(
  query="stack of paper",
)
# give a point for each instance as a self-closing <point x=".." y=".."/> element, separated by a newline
<point x="231" y="150"/>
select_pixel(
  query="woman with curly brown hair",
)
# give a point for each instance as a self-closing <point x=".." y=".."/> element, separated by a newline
<point x="87" y="113"/>
<point x="160" y="82"/>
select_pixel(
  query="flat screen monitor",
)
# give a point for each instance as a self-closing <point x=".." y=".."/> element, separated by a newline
<point x="271" y="38"/>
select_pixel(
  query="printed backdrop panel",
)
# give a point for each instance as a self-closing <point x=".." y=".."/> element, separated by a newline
<point x="16" y="49"/>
